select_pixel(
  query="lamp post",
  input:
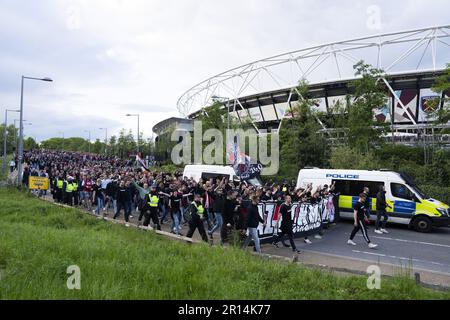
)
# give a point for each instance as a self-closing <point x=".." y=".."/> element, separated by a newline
<point x="15" y="135"/>
<point x="89" y="139"/>
<point x="106" y="138"/>
<point x="138" y="139"/>
<point x="19" y="175"/>
<point x="5" y="136"/>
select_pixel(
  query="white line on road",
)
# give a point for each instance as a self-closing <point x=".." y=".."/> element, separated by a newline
<point x="401" y="258"/>
<point x="410" y="241"/>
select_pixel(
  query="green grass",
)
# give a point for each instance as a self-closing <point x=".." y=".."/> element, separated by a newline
<point x="38" y="241"/>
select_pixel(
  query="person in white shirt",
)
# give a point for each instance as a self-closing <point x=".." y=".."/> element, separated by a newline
<point x="12" y="166"/>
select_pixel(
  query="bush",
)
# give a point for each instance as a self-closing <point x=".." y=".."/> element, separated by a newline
<point x="438" y="193"/>
<point x="347" y="158"/>
<point x="170" y="168"/>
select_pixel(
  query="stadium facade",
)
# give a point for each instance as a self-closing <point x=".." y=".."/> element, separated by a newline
<point x="265" y="90"/>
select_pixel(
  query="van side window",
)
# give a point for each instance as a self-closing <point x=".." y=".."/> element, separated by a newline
<point x="401" y="191"/>
<point x="355" y="187"/>
<point x="207" y="175"/>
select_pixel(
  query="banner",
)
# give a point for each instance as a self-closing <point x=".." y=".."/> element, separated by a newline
<point x="242" y="163"/>
<point x="307" y="218"/>
<point x="38" y="183"/>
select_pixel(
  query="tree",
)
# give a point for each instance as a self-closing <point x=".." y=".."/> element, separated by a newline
<point x="11" y="132"/>
<point x="301" y="146"/>
<point x="113" y="145"/>
<point x="125" y="144"/>
<point x="98" y="147"/>
<point x="369" y="94"/>
<point x="442" y="86"/>
<point x="344" y="157"/>
<point x="29" y="143"/>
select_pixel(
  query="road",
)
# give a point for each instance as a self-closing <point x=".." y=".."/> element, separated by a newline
<point x="401" y="247"/>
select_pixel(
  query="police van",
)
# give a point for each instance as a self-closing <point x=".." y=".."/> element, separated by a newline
<point x="199" y="172"/>
<point x="409" y="204"/>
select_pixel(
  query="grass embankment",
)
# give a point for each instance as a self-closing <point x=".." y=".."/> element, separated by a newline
<point x="38" y="241"/>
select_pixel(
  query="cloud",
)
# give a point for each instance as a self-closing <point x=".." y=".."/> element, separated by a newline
<point x="111" y="57"/>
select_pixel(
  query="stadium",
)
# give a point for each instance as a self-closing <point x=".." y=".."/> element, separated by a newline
<point x="264" y="91"/>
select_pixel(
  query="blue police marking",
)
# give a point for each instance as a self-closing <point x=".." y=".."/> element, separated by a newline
<point x="343" y="176"/>
<point x="404" y="208"/>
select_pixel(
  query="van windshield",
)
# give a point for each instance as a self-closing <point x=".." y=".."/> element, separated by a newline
<point x="410" y="182"/>
<point x="419" y="191"/>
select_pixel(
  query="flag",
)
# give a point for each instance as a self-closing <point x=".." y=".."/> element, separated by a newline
<point x="242" y="163"/>
<point x="141" y="162"/>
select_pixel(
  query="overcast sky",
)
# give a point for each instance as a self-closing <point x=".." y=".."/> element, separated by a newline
<point x="112" y="57"/>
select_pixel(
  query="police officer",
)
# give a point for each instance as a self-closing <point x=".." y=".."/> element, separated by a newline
<point x="151" y="208"/>
<point x="381" y="211"/>
<point x="59" y="188"/>
<point x="75" y="195"/>
<point x="197" y="216"/>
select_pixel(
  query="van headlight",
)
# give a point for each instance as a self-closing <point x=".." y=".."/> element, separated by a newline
<point x="443" y="211"/>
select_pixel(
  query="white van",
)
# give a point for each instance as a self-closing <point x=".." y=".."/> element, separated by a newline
<point x="198" y="172"/>
<point x="409" y="204"/>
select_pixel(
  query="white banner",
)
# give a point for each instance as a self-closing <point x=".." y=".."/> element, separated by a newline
<point x="306" y="217"/>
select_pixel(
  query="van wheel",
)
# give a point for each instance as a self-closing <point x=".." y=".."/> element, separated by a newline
<point x="422" y="224"/>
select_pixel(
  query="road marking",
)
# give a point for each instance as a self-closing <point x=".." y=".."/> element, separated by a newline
<point x="401" y="258"/>
<point x="409" y="241"/>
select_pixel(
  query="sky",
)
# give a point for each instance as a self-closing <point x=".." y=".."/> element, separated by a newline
<point x="112" y="57"/>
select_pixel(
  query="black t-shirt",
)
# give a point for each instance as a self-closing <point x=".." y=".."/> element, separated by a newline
<point x="360" y="208"/>
<point x="175" y="201"/>
<point x="286" y="218"/>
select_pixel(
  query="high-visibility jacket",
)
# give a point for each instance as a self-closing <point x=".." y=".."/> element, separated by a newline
<point x="69" y="187"/>
<point x="284" y="189"/>
<point x="153" y="201"/>
<point x="75" y="186"/>
<point x="59" y="183"/>
<point x="200" y="208"/>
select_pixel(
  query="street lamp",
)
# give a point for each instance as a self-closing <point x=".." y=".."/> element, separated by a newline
<point x="5" y="136"/>
<point x="25" y="122"/>
<point x="138" y="140"/>
<point x="106" y="137"/>
<point x="19" y="175"/>
<point x="89" y="139"/>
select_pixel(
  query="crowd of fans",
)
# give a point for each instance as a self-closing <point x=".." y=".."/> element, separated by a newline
<point x="103" y="183"/>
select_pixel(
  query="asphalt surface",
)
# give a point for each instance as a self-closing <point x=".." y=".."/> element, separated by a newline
<point x="401" y="247"/>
